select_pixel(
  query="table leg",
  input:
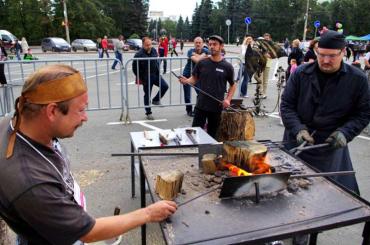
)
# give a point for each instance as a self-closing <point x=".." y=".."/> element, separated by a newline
<point x="142" y="199"/>
<point x="313" y="238"/>
<point x="132" y="171"/>
<point x="366" y="234"/>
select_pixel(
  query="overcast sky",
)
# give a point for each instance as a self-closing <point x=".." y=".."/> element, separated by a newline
<point x="174" y="7"/>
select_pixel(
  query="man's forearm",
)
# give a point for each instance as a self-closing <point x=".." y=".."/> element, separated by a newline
<point x="113" y="226"/>
<point x="231" y="92"/>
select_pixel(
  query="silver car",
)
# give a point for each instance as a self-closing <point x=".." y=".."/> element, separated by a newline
<point x="83" y="44"/>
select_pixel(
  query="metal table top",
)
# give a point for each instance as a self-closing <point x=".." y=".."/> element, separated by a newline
<point x="210" y="220"/>
<point x="140" y="141"/>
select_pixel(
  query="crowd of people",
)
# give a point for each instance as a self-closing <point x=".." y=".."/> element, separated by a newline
<point x="325" y="101"/>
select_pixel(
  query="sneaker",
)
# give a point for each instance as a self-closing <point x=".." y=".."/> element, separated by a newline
<point x="149" y="117"/>
<point x="244" y="96"/>
<point x="263" y="96"/>
<point x="156" y="102"/>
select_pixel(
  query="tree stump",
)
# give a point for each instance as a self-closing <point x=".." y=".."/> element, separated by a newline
<point x="168" y="184"/>
<point x="236" y="126"/>
<point x="208" y="163"/>
<point x="248" y="155"/>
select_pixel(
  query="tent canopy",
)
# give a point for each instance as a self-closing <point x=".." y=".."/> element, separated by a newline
<point x="366" y="37"/>
<point x="355" y="38"/>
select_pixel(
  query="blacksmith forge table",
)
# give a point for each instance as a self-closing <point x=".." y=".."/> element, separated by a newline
<point x="150" y="140"/>
<point x="210" y="220"/>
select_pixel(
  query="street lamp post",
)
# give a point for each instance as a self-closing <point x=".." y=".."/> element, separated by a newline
<point x="66" y="23"/>
<point x="305" y="20"/>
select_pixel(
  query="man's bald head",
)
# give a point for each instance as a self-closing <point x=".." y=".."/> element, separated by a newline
<point x="198" y="43"/>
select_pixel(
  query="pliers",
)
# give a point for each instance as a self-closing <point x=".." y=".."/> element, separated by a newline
<point x="302" y="147"/>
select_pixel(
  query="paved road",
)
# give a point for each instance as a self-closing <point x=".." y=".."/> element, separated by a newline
<point x="106" y="179"/>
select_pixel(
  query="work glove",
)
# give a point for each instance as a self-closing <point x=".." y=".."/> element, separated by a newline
<point x="303" y="136"/>
<point x="337" y="140"/>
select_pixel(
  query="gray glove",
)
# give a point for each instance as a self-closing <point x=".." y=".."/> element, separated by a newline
<point x="337" y="140"/>
<point x="303" y="136"/>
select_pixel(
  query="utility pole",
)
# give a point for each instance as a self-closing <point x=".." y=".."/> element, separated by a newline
<point x="66" y="23"/>
<point x="305" y="20"/>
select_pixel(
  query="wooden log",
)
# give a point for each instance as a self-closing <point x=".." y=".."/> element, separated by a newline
<point x="236" y="126"/>
<point x="168" y="184"/>
<point x="208" y="163"/>
<point x="248" y="155"/>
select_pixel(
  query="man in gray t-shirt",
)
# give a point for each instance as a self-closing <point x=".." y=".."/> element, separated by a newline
<point x="39" y="198"/>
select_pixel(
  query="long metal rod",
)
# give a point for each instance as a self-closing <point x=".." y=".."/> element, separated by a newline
<point x="155" y="154"/>
<point x="323" y="174"/>
<point x="205" y="93"/>
<point x="196" y="197"/>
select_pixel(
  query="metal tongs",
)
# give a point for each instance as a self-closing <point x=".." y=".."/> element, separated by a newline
<point x="302" y="147"/>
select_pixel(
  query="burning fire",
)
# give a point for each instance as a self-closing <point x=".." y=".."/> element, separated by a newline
<point x="257" y="165"/>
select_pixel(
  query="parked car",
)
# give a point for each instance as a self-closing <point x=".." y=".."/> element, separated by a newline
<point x="55" y="44"/>
<point x="134" y="44"/>
<point x="112" y="41"/>
<point x="8" y="39"/>
<point x="83" y="44"/>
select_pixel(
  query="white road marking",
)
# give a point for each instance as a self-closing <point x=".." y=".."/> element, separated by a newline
<point x="143" y="123"/>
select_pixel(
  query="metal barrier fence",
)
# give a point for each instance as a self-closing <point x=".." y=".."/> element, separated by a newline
<point x="105" y="86"/>
<point x="174" y="96"/>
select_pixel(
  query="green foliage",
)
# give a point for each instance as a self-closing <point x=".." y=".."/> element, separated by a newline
<point x="134" y="36"/>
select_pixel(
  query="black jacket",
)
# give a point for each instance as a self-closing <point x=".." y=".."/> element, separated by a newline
<point x="143" y="68"/>
<point x="343" y="105"/>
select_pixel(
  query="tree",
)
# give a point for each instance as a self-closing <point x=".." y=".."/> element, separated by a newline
<point x="195" y="26"/>
<point x="205" y="12"/>
<point x="187" y="29"/>
<point x="180" y="28"/>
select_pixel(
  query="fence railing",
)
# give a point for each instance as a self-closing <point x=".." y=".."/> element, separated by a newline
<point x="107" y="88"/>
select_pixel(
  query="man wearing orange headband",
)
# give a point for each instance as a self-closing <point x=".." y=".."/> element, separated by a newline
<point x="39" y="198"/>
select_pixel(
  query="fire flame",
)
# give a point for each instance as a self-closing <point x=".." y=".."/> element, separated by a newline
<point x="258" y="165"/>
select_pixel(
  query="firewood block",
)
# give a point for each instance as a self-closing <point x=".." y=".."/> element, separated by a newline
<point x="208" y="163"/>
<point x="168" y="184"/>
<point x="248" y="155"/>
<point x="236" y="126"/>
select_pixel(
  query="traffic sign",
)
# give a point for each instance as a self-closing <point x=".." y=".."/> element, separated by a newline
<point x="228" y="22"/>
<point x="248" y="20"/>
<point x="317" y="24"/>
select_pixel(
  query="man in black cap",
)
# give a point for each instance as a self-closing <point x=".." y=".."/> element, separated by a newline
<point x="326" y="101"/>
<point x="212" y="73"/>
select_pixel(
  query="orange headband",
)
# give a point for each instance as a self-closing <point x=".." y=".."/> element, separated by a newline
<point x="53" y="91"/>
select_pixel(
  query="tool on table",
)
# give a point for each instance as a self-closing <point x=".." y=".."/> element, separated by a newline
<point x="262" y="184"/>
<point x="205" y="93"/>
<point x="190" y="133"/>
<point x="154" y="154"/>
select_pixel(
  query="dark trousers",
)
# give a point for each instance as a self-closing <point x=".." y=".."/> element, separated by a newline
<point x="213" y="119"/>
<point x="118" y="57"/>
<point x="246" y="79"/>
<point x="187" y="97"/>
<point x="2" y="74"/>
<point x="161" y="54"/>
<point x="148" y="86"/>
<point x="106" y="52"/>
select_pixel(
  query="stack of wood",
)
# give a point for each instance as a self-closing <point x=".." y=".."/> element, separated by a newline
<point x="168" y="184"/>
<point x="248" y="155"/>
<point x="236" y="126"/>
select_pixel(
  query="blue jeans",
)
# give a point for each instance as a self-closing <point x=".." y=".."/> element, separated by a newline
<point x="118" y="57"/>
<point x="187" y="97"/>
<point x="244" y="85"/>
<point x="18" y="54"/>
<point x="148" y="86"/>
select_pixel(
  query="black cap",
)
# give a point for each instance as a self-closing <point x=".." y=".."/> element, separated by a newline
<point x="217" y="38"/>
<point x="332" y="40"/>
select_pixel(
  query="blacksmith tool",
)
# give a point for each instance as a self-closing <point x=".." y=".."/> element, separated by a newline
<point x="244" y="186"/>
<point x="297" y="150"/>
<point x="207" y="94"/>
<point x="154" y="154"/>
<point x="189" y="132"/>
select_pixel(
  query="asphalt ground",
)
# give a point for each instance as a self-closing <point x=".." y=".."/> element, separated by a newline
<point x="106" y="180"/>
